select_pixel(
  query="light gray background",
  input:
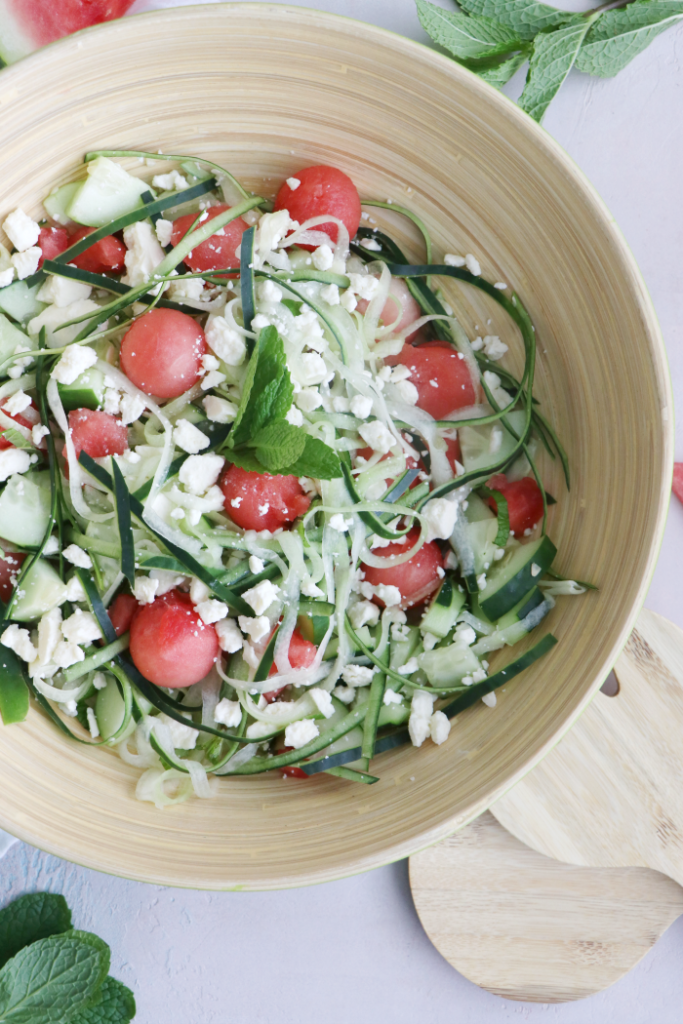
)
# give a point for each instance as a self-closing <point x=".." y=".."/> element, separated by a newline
<point x="354" y="950"/>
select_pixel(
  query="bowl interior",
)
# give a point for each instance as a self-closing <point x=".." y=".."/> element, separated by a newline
<point x="266" y="91"/>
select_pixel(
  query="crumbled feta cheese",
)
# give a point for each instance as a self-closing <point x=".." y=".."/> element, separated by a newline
<point x="74" y="590"/>
<point x="500" y="285"/>
<point x="391" y="697"/>
<point x="99" y="680"/>
<point x="357" y="675"/>
<point x="145" y="589"/>
<point x="313" y="369"/>
<point x="345" y="694"/>
<point x="337" y="522"/>
<point x="272" y="229"/>
<point x="214" y="379"/>
<point x="81" y="628"/>
<point x="439" y="727"/>
<point x="308" y="399"/>
<point x="92" y="723"/>
<point x="225" y="341"/>
<point x="268" y="291"/>
<point x="14" y="460"/>
<point x="229" y="636"/>
<point x="391" y="596"/>
<point x="260" y="322"/>
<point x="191" y="288"/>
<point x="464" y="634"/>
<point x="190" y="438"/>
<point x="377" y="436"/>
<point x="364" y="613"/>
<point x="112" y="401"/>
<point x="490" y="700"/>
<point x="298" y="734"/>
<point x="422" y="704"/>
<point x="19" y="641"/>
<point x="26" y="263"/>
<point x="477" y="344"/>
<point x="49" y="634"/>
<point x="22" y="230"/>
<point x="481" y="581"/>
<point x="164" y="231"/>
<point x="364" y="285"/>
<point x="144" y="253"/>
<point x="261" y="596"/>
<point x="360" y="406"/>
<point x="62" y="291"/>
<point x="440" y="517"/>
<point x="310" y="589"/>
<point x="66" y="654"/>
<point x="429" y="641"/>
<point x="323" y="257"/>
<point x="72" y="363"/>
<point x="349" y="300"/>
<point x="6" y="277"/>
<point x="535" y="569"/>
<point x="294" y="416"/>
<point x="199" y="472"/>
<point x="183" y="737"/>
<point x="498" y="553"/>
<point x="293" y="183"/>
<point x="451" y="260"/>
<point x="166" y="580"/>
<point x="493" y="347"/>
<point x="323" y="701"/>
<point x="340" y="404"/>
<point x="236" y="502"/>
<point x="171" y="182"/>
<point x="17" y="403"/>
<point x="256" y="564"/>
<point x="219" y="410"/>
<point x="211" y="611"/>
<point x="198" y="590"/>
<point x="228" y="713"/>
<point x="410" y="666"/>
<point x="330" y="294"/>
<point x="77" y="556"/>
<point x="472" y="265"/>
<point x="418" y="729"/>
<point x="70" y="708"/>
<point x="407" y="392"/>
<point x="371" y="244"/>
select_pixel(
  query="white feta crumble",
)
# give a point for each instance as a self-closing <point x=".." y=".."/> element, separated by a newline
<point x="236" y="502"/>
<point x="268" y="291"/>
<point x="19" y="641"/>
<point x="391" y="697"/>
<point x="74" y="591"/>
<point x="166" y="580"/>
<point x="93" y="727"/>
<point x="293" y="183"/>
<point x="49" y="634"/>
<point x="199" y="472"/>
<point x="451" y="260"/>
<point x="308" y="399"/>
<point x="330" y="293"/>
<point x="389" y="594"/>
<point x="214" y="379"/>
<point x="440" y="518"/>
<point x="81" y="628"/>
<point x="410" y="666"/>
<point x="145" y="589"/>
<point x="323" y="701"/>
<point x="111" y="403"/>
<point x="481" y="581"/>
<point x="229" y="636"/>
<point x="464" y="634"/>
<point x="225" y="341"/>
<point x="500" y="285"/>
<point x="70" y="708"/>
<point x="493" y="347"/>
<point x="535" y="569"/>
<point x="294" y="416"/>
<point x="72" y="363"/>
<point x="377" y="436"/>
<point x="360" y="406"/>
<point x="357" y="675"/>
<point x="16" y="403"/>
<point x="228" y="713"/>
<point x="144" y="253"/>
<point x="439" y="727"/>
<point x="6" y="276"/>
<point x="99" y="680"/>
<point x="198" y="590"/>
<point x="472" y="265"/>
<point x="313" y="369"/>
<point x="407" y="392"/>
<point x="62" y="291"/>
<point x="13" y="461"/>
<point x="190" y="438"/>
<point x="339" y="523"/>
<point x="421" y="708"/>
<point x="219" y="410"/>
<point x="364" y="285"/>
<point x="26" y="263"/>
<point x="298" y="734"/>
<point x="164" y="231"/>
<point x="323" y="257"/>
<point x="345" y="694"/>
<point x="348" y="300"/>
<point x="77" y="556"/>
<point x="371" y="244"/>
<point x="22" y="231"/>
<point x="309" y="588"/>
<point x="256" y="564"/>
<point x="171" y="182"/>
<point x="183" y="737"/>
<point x="211" y="611"/>
<point x="364" y="613"/>
<point x="67" y="654"/>
<point x="191" y="288"/>
<point x="261" y="596"/>
<point x="490" y="700"/>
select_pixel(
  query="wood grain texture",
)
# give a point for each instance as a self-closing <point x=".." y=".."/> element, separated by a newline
<point x="526" y="927"/>
<point x="267" y="90"/>
<point x="611" y="792"/>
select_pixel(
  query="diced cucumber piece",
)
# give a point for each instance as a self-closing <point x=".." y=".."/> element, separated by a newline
<point x="477" y="509"/>
<point x="25" y="508"/>
<point x="59" y="201"/>
<point x="482" y="536"/>
<point x="393" y="714"/>
<point x="521" y="609"/>
<point x="445" y="666"/>
<point x="441" y="615"/>
<point x="11" y="338"/>
<point x="86" y="392"/>
<point x="513" y="577"/>
<point x="401" y="650"/>
<point x="19" y="301"/>
<point x="351" y="739"/>
<point x="41" y="590"/>
<point x="489" y="445"/>
<point x="110" y="709"/>
<point x="108" y="192"/>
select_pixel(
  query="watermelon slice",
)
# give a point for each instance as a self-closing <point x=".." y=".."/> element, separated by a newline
<point x="26" y="25"/>
<point x="678" y="480"/>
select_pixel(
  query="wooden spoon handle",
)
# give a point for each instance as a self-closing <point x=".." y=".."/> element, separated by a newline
<point x="611" y="792"/>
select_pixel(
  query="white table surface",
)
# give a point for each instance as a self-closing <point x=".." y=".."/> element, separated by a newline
<point x="355" y="950"/>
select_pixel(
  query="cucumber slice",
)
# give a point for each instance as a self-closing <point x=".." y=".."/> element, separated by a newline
<point x="11" y="338"/>
<point x="58" y="202"/>
<point x="488" y="446"/>
<point x="41" y="590"/>
<point x="482" y="536"/>
<point x="110" y="710"/>
<point x="477" y="509"/>
<point x="401" y="650"/>
<point x="25" y="508"/>
<point x="512" y="578"/>
<point x="86" y="392"/>
<point x="446" y="666"/>
<point x="393" y="714"/>
<point x="107" y="193"/>
<point x="441" y="615"/>
<point x="19" y="301"/>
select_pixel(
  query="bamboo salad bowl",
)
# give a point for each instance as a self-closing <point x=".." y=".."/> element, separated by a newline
<point x="266" y="90"/>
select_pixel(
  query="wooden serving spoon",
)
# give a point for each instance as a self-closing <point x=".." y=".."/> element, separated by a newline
<point x="608" y="803"/>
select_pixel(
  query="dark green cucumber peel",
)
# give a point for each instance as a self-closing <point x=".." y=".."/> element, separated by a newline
<point x="502" y="591"/>
<point x="247" y="281"/>
<point x="14" y="691"/>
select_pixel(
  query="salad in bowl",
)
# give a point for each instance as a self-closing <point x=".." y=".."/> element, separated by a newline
<point x="264" y="505"/>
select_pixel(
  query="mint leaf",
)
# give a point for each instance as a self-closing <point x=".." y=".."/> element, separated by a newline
<point x="268" y="391"/>
<point x="619" y="36"/>
<point x="245" y="458"/>
<point x="318" y="460"/>
<point x="293" y="305"/>
<point x="464" y="36"/>
<point x="525" y="17"/>
<point x="17" y="439"/>
<point x="278" y="445"/>
<point x="116" y="1005"/>
<point x="53" y="979"/>
<point x="30" y="918"/>
<point x="501" y="74"/>
<point x="551" y="61"/>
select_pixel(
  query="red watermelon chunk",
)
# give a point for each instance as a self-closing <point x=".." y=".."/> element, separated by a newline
<point x="678" y="480"/>
<point x="26" y="25"/>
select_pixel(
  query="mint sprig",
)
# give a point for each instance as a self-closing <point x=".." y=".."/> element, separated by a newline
<point x="261" y="439"/>
<point x="52" y="973"/>
<point x="494" y="38"/>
